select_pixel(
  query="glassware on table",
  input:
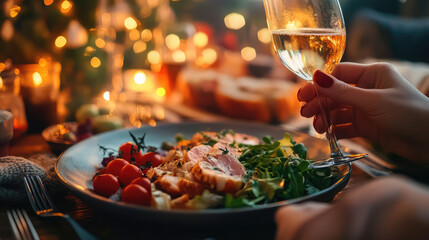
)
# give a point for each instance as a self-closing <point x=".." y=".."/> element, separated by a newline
<point x="309" y="36"/>
<point x="11" y="100"/>
<point x="6" y="131"/>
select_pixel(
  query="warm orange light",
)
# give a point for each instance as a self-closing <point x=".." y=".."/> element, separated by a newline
<point x="172" y="41"/>
<point x="89" y="51"/>
<point x="179" y="56"/>
<point x="60" y="41"/>
<point x="48" y="2"/>
<point x="100" y="43"/>
<point x="264" y="35"/>
<point x="139" y="46"/>
<point x="2" y="67"/>
<point x="106" y="19"/>
<point x="1" y="82"/>
<point x="37" y="79"/>
<point x="140" y="78"/>
<point x="201" y="39"/>
<point x="146" y="35"/>
<point x="14" y="11"/>
<point x="134" y="35"/>
<point x="209" y="55"/>
<point x="16" y="71"/>
<point x="43" y="62"/>
<point x="106" y="95"/>
<point x="130" y="23"/>
<point x="160" y="92"/>
<point x="153" y="57"/>
<point x="248" y="53"/>
<point x="234" y="21"/>
<point x="66" y="6"/>
<point x="95" y="62"/>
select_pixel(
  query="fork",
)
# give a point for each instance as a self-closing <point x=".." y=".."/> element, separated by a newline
<point x="44" y="206"/>
<point x="21" y="224"/>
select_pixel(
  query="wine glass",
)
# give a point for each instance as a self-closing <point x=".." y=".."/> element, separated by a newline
<point x="309" y="35"/>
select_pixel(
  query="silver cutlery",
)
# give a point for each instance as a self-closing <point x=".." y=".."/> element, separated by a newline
<point x="44" y="206"/>
<point x="21" y="224"/>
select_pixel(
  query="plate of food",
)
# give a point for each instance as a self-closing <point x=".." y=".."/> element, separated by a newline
<point x="193" y="173"/>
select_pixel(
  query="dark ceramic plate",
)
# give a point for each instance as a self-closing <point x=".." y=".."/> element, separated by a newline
<point x="76" y="166"/>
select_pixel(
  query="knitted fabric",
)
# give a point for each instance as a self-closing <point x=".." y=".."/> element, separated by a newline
<point x="12" y="173"/>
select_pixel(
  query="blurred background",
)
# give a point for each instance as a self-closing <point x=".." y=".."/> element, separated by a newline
<point x="145" y="61"/>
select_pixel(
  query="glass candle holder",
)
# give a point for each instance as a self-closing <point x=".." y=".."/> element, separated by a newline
<point x="40" y="89"/>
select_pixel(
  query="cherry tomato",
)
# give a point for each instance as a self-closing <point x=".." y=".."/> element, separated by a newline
<point x="153" y="158"/>
<point x="106" y="185"/>
<point x="98" y="173"/>
<point x="115" y="166"/>
<point x="144" y="182"/>
<point x="129" y="173"/>
<point x="136" y="194"/>
<point x="129" y="151"/>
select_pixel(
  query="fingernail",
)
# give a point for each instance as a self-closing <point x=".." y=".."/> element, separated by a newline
<point x="297" y="94"/>
<point x="322" y="79"/>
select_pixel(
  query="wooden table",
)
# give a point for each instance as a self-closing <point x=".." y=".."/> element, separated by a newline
<point x="105" y="226"/>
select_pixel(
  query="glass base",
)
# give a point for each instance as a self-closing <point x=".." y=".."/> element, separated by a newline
<point x="338" y="160"/>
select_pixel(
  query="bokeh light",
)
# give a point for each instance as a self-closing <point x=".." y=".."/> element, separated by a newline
<point x="140" y="78"/>
<point x="153" y="57"/>
<point x="179" y="56"/>
<point x="234" y="21"/>
<point x="146" y="35"/>
<point x="60" y="41"/>
<point x="37" y="79"/>
<point x="95" y="62"/>
<point x="172" y="41"/>
<point x="100" y="43"/>
<point x="139" y="46"/>
<point x="130" y="23"/>
<point x="248" y="53"/>
<point x="264" y="35"/>
<point x="201" y="39"/>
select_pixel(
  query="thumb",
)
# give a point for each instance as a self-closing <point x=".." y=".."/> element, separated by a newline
<point x="340" y="91"/>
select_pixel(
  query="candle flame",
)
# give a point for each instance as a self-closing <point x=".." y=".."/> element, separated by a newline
<point x="140" y="78"/>
<point x="37" y="79"/>
<point x="106" y="95"/>
<point x="1" y="82"/>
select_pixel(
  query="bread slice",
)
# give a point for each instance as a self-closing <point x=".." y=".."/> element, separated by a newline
<point x="263" y="100"/>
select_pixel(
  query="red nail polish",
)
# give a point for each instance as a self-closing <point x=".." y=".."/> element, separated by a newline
<point x="322" y="79"/>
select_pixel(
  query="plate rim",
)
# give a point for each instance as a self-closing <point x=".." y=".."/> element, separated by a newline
<point x="83" y="191"/>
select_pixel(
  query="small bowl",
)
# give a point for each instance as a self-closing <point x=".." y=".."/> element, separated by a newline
<point x="53" y="135"/>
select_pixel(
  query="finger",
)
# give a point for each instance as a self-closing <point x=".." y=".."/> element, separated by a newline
<point x="345" y="131"/>
<point x="311" y="108"/>
<point x="319" y="124"/>
<point x="337" y="90"/>
<point x="342" y="116"/>
<point x="350" y="72"/>
<point x="290" y="218"/>
<point x="306" y="93"/>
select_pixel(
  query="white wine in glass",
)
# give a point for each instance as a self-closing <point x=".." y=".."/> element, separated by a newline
<point x="309" y="35"/>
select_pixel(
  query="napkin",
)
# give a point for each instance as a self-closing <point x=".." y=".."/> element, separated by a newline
<point x="14" y="169"/>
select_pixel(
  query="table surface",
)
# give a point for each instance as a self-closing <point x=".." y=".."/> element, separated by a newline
<point x="114" y="227"/>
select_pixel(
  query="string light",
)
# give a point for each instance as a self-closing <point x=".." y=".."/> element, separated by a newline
<point x="139" y="46"/>
<point x="248" y="53"/>
<point x="234" y="21"/>
<point x="264" y="35"/>
<point x="134" y="35"/>
<point x="146" y="35"/>
<point x="153" y="57"/>
<point x="172" y="41"/>
<point x="60" y="41"/>
<point x="100" y="43"/>
<point x="66" y="6"/>
<point x="201" y="39"/>
<point x="179" y="56"/>
<point x="48" y="2"/>
<point x="95" y="62"/>
<point x="130" y="23"/>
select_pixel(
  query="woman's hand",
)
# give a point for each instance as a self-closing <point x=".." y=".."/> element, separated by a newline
<point x="374" y="102"/>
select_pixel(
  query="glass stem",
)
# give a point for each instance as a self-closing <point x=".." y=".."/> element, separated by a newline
<point x="330" y="135"/>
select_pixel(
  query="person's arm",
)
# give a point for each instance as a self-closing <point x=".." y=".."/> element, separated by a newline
<point x="388" y="208"/>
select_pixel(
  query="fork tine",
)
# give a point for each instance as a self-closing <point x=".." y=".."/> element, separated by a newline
<point x="23" y="223"/>
<point x="38" y="195"/>
<point x="44" y="192"/>
<point x="32" y="231"/>
<point x="31" y="195"/>
<point x="14" y="225"/>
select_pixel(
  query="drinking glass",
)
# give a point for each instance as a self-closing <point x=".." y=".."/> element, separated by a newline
<point x="310" y="35"/>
